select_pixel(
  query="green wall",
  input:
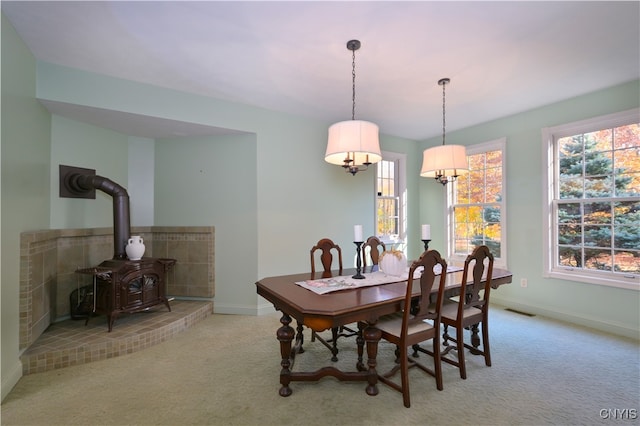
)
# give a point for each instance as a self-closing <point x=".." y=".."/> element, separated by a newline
<point x="297" y="197"/>
<point x="83" y="145"/>
<point x="25" y="152"/>
<point x="197" y="185"/>
<point x="606" y="308"/>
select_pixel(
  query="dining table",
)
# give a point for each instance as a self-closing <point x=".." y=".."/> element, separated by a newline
<point x="362" y="305"/>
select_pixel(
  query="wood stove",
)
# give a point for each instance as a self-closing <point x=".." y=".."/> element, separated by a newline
<point x="119" y="285"/>
<point x="127" y="286"/>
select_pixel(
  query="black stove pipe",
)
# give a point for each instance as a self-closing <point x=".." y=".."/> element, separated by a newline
<point x="121" y="224"/>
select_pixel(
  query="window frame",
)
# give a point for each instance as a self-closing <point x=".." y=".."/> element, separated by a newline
<point x="549" y="172"/>
<point x="493" y="145"/>
<point x="400" y="177"/>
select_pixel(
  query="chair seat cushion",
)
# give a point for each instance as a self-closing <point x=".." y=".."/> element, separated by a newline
<point x="392" y="324"/>
<point x="450" y="310"/>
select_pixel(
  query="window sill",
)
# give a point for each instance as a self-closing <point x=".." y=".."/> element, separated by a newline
<point x="618" y="281"/>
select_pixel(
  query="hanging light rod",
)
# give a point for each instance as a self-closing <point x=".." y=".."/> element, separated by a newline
<point x="444" y="163"/>
<point x="353" y="144"/>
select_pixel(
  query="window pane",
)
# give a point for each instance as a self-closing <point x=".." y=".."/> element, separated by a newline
<point x="476" y="162"/>
<point x="569" y="147"/>
<point x="625" y="159"/>
<point x="462" y="246"/>
<point x="462" y="189"/>
<point x="570" y="256"/>
<point x="492" y="235"/>
<point x="462" y="227"/>
<point x="493" y="193"/>
<point x="570" y="234"/>
<point x="598" y="187"/>
<point x="627" y="184"/>
<point x="474" y="219"/>
<point x="597" y="236"/>
<point x="494" y="159"/>
<point x="492" y="214"/>
<point x="627" y="237"/>
<point x="387" y="188"/>
<point x="387" y="216"/>
<point x="571" y="188"/>
<point x="476" y="183"/>
<point x="600" y="140"/>
<point x="597" y="213"/>
<point x="600" y="260"/>
<point x="626" y="136"/>
<point x="626" y="212"/>
<point x="626" y="261"/>
<point x="494" y="177"/>
<point x="570" y="213"/>
<point x="598" y="163"/>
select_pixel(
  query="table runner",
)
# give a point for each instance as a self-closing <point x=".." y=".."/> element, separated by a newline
<point x="346" y="282"/>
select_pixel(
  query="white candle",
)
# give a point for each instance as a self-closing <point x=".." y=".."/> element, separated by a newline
<point x="357" y="233"/>
<point x="426" y="232"/>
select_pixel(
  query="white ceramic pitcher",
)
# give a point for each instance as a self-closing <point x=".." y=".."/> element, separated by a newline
<point x="135" y="247"/>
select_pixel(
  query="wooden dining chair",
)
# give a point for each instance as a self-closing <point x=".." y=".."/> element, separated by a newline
<point x="372" y="247"/>
<point x="328" y="251"/>
<point x="471" y="309"/>
<point x="418" y="322"/>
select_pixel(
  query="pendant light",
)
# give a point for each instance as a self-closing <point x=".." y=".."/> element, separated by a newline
<point x="353" y="144"/>
<point x="444" y="163"/>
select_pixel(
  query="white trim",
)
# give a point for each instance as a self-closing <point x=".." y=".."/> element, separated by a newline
<point x="549" y="247"/>
<point x="234" y="309"/>
<point x="11" y="378"/>
<point x="630" y="282"/>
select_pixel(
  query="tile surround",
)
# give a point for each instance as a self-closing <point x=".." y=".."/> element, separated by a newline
<point x="49" y="259"/>
<point x="71" y="342"/>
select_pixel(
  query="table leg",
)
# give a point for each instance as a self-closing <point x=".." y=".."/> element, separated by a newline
<point x="360" y="342"/>
<point x="372" y="336"/>
<point x="285" y="335"/>
<point x="300" y="337"/>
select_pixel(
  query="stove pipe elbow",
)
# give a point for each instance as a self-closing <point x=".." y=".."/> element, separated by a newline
<point x="121" y="222"/>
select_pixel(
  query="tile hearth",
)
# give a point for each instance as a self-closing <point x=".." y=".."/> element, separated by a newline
<point x="70" y="342"/>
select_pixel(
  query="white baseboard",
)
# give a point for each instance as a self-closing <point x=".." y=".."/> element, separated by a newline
<point x="223" y="308"/>
<point x="571" y="317"/>
<point x="11" y="379"/>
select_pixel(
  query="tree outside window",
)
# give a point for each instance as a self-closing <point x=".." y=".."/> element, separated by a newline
<point x="476" y="203"/>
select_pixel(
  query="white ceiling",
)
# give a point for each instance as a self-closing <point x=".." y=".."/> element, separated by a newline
<point x="501" y="57"/>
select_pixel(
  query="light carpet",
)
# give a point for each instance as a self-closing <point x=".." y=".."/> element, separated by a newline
<point x="225" y="371"/>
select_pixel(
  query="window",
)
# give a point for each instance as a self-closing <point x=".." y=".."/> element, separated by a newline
<point x="391" y="199"/>
<point x="476" y="204"/>
<point x="593" y="193"/>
